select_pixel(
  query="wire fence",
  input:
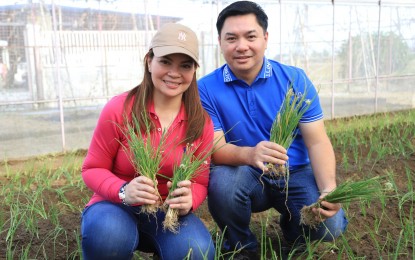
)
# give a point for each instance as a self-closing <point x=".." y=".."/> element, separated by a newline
<point x="60" y="61"/>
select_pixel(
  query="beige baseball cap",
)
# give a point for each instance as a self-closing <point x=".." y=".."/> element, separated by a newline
<point x="175" y="38"/>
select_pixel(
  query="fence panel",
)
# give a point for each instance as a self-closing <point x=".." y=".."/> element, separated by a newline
<point x="56" y="74"/>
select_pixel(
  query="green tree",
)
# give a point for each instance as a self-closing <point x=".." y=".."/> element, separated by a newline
<point x="394" y="55"/>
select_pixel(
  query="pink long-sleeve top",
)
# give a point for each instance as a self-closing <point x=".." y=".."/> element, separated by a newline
<point x="108" y="166"/>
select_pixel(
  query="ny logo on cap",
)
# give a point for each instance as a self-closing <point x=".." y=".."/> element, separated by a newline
<point x="182" y="36"/>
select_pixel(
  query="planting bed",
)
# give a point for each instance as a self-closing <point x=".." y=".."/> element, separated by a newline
<point x="378" y="229"/>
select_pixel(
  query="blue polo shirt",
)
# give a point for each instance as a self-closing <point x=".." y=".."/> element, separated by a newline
<point x="246" y="112"/>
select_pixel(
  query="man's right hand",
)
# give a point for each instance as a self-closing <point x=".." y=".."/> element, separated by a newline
<point x="259" y="156"/>
<point x="267" y="152"/>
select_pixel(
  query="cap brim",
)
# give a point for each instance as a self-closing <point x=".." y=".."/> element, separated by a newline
<point x="167" y="50"/>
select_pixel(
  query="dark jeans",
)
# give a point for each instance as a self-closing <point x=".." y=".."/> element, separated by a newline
<point x="235" y="192"/>
<point x="115" y="231"/>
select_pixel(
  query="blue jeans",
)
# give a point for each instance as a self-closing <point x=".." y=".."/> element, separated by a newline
<point x="235" y="192"/>
<point x="115" y="231"/>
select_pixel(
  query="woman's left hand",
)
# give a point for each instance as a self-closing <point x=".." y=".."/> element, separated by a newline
<point x="181" y="197"/>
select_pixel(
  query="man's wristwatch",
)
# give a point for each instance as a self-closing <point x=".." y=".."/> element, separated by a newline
<point x="121" y="193"/>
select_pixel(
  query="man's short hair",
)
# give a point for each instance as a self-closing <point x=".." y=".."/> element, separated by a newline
<point x="242" y="8"/>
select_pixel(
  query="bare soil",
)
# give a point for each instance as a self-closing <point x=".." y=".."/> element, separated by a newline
<point x="65" y="244"/>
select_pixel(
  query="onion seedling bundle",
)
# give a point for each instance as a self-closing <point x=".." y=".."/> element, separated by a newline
<point x="146" y="155"/>
<point x="190" y="166"/>
<point x="283" y="130"/>
<point x="346" y="192"/>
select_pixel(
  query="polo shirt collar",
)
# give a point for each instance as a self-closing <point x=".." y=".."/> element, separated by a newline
<point x="181" y="116"/>
<point x="265" y="72"/>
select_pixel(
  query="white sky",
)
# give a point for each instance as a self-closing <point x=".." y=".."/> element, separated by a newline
<point x="201" y="15"/>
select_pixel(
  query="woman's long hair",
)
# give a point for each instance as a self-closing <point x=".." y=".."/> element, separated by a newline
<point x="143" y="94"/>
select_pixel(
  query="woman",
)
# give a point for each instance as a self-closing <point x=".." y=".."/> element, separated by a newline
<point x="113" y="225"/>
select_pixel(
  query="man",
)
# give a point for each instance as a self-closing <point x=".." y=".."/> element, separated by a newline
<point x="243" y="98"/>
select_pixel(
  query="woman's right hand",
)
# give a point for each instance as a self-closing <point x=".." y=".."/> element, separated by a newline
<point x="140" y="190"/>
